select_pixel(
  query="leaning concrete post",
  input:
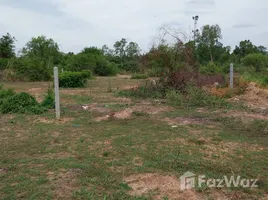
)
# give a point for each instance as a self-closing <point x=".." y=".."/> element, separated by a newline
<point x="57" y="93"/>
<point x="231" y="75"/>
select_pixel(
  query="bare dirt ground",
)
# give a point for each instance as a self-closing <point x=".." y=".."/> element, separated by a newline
<point x="254" y="97"/>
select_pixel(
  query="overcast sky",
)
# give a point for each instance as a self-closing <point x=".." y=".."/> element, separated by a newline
<point x="75" y="24"/>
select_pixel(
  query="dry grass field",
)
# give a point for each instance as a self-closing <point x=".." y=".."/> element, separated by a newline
<point x="111" y="147"/>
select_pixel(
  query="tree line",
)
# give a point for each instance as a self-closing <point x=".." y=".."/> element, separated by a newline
<point x="207" y="54"/>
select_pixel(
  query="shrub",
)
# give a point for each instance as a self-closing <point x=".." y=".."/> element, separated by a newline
<point x="49" y="100"/>
<point x="18" y="103"/>
<point x="73" y="79"/>
<point x="198" y="97"/>
<point x="260" y="78"/>
<point x="131" y="65"/>
<point x="81" y="62"/>
<point x="3" y="63"/>
<point x="256" y="60"/>
<point x="156" y="72"/>
<point x="264" y="81"/>
<point x="175" y="98"/>
<point x="210" y="69"/>
<point x="5" y="94"/>
<point x="87" y="74"/>
<point x="104" y="68"/>
<point x="139" y="76"/>
<point x="11" y="102"/>
<point x="26" y="69"/>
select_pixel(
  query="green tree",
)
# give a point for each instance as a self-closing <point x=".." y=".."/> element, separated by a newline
<point x="43" y="49"/>
<point x="92" y="50"/>
<point x="262" y="50"/>
<point x="245" y="48"/>
<point x="133" y="50"/>
<point x="208" y="41"/>
<point x="7" y="46"/>
<point x="256" y="60"/>
<point x="120" y="50"/>
<point x="107" y="51"/>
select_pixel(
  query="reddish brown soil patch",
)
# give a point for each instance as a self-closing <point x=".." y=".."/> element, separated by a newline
<point x="124" y="76"/>
<point x="3" y="171"/>
<point x="124" y="114"/>
<point x="95" y="108"/>
<point x="185" y="121"/>
<point x="163" y="186"/>
<point x="37" y="93"/>
<point x="254" y="97"/>
<point x="151" y="109"/>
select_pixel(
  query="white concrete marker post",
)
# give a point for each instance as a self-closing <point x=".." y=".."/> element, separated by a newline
<point x="57" y="92"/>
<point x="231" y="75"/>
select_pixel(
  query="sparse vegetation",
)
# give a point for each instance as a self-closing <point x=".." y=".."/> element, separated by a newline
<point x="123" y="137"/>
<point x="139" y="76"/>
<point x="93" y="159"/>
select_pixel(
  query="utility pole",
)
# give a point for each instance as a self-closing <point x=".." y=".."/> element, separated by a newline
<point x="57" y="92"/>
<point x="231" y="75"/>
<point x="195" y="31"/>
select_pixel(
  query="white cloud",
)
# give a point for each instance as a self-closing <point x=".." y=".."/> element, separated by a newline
<point x="80" y="23"/>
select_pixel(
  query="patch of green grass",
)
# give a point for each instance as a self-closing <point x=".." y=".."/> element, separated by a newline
<point x="260" y="78"/>
<point x="140" y="114"/>
<point x="236" y="129"/>
<point x="78" y="99"/>
<point x="139" y="76"/>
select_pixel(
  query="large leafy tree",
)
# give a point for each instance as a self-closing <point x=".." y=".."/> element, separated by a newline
<point x="120" y="50"/>
<point x="92" y="50"/>
<point x="208" y="41"/>
<point x="43" y="49"/>
<point x="246" y="47"/>
<point x="7" y="46"/>
<point x="133" y="50"/>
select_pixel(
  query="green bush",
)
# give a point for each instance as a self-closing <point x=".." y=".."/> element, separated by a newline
<point x="105" y="68"/>
<point x="3" y="63"/>
<point x="264" y="81"/>
<point x="210" y="69"/>
<point x="256" y="60"/>
<point x="198" y="97"/>
<point x="5" y="94"/>
<point x="156" y="72"/>
<point x="260" y="78"/>
<point x="73" y="79"/>
<point x="175" y="98"/>
<point x="194" y="97"/>
<point x="87" y="74"/>
<point x="18" y="103"/>
<point x="49" y="100"/>
<point x="139" y="76"/>
<point x="26" y="69"/>
<point x="11" y="102"/>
